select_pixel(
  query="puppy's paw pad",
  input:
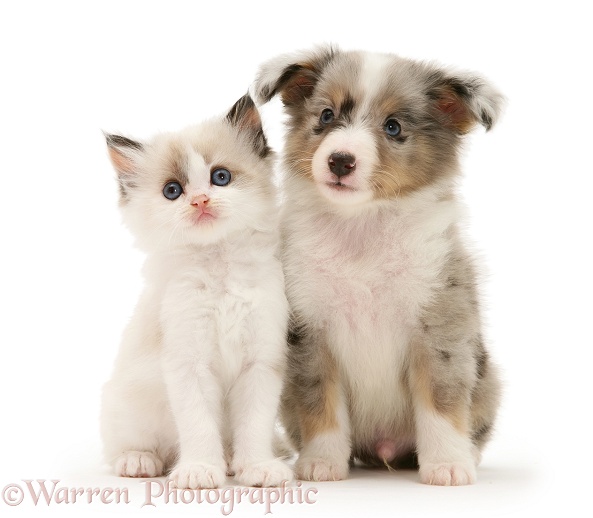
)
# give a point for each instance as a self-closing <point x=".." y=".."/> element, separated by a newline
<point x="197" y="476"/>
<point x="319" y="469"/>
<point x="448" y="474"/>
<point x="138" y="464"/>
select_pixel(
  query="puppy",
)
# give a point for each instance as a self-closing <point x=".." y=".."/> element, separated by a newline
<point x="387" y="360"/>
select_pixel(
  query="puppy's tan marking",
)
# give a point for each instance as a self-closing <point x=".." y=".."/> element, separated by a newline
<point x="299" y="152"/>
<point x="318" y="414"/>
<point x="432" y="394"/>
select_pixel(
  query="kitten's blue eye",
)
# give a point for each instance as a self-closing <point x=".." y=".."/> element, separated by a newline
<point x="392" y="128"/>
<point x="172" y="190"/>
<point x="326" y="116"/>
<point x="220" y="177"/>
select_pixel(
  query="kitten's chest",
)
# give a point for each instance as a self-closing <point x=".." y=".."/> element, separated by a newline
<point x="218" y="274"/>
<point x="217" y="286"/>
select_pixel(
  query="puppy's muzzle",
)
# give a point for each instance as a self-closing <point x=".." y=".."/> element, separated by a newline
<point x="341" y="164"/>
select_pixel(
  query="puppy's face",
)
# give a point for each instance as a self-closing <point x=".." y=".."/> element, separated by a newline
<point x="368" y="126"/>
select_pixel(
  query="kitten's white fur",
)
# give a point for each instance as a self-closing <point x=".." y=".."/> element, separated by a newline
<point x="198" y="376"/>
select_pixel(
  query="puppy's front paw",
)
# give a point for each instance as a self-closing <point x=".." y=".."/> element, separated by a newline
<point x="197" y="476"/>
<point x="320" y="469"/>
<point x="448" y="474"/>
<point x="264" y="474"/>
<point x="138" y="464"/>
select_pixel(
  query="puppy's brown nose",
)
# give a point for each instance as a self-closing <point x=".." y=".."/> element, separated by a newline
<point x="341" y="164"/>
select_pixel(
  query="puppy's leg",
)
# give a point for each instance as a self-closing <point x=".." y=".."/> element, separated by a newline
<point x="314" y="393"/>
<point x="443" y="378"/>
<point x="455" y="389"/>
<point x="446" y="454"/>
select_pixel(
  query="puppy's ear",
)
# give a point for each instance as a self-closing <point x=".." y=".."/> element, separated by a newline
<point x="245" y="117"/>
<point x="463" y="100"/>
<point x="125" y="155"/>
<point x="292" y="76"/>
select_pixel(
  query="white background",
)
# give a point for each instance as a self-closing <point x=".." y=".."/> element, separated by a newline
<point x="69" y="275"/>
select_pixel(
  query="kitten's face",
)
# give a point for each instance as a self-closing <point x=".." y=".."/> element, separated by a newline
<point x="196" y="186"/>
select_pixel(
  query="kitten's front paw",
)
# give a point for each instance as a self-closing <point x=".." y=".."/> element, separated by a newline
<point x="197" y="476"/>
<point x="319" y="469"/>
<point x="448" y="474"/>
<point x="138" y="464"/>
<point x="264" y="474"/>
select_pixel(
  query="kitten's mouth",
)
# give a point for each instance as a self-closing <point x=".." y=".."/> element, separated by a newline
<point x="203" y="216"/>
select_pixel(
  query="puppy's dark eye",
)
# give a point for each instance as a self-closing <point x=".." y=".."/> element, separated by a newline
<point x="326" y="116"/>
<point x="392" y="128"/>
<point x="172" y="190"/>
<point x="220" y="177"/>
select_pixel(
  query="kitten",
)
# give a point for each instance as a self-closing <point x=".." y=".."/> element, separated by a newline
<point x="197" y="381"/>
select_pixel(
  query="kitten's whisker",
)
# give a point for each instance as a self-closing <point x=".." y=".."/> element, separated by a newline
<point x="168" y="221"/>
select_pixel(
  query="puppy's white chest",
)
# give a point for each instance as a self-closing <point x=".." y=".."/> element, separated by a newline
<point x="370" y="278"/>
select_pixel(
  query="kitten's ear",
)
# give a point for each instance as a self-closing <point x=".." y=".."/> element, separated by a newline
<point x="463" y="100"/>
<point x="123" y="153"/>
<point x="245" y="117"/>
<point x="292" y="76"/>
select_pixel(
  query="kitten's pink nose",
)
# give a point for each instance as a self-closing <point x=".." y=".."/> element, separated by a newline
<point x="200" y="201"/>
